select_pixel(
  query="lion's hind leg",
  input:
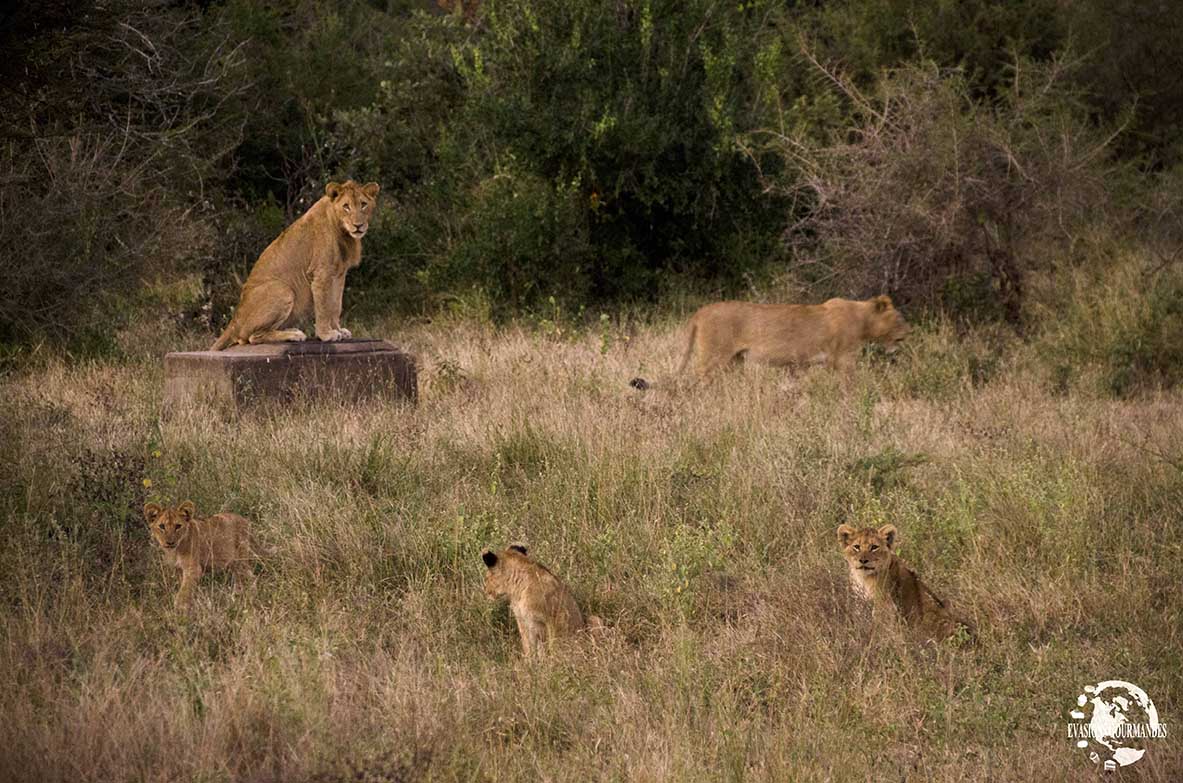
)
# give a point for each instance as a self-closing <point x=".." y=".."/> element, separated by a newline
<point x="244" y="575"/>
<point x="715" y="358"/>
<point x="265" y="313"/>
<point x="714" y="350"/>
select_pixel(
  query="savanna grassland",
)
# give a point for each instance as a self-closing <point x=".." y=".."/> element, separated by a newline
<point x="697" y="521"/>
<point x="563" y="182"/>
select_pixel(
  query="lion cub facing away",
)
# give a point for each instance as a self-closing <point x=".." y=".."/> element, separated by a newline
<point x="541" y="604"/>
<point x="878" y="575"/>
<point x="195" y="545"/>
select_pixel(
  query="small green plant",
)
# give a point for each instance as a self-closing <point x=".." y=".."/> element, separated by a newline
<point x="160" y="481"/>
<point x="449" y="376"/>
<point x="886" y="469"/>
<point x="556" y="324"/>
<point x="691" y="552"/>
<point x="606" y="336"/>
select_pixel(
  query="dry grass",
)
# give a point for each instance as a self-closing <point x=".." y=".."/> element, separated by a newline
<point x="698" y="522"/>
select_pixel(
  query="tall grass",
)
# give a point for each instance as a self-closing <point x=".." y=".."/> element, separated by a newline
<point x="699" y="522"/>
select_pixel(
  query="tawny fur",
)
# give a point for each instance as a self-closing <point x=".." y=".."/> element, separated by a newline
<point x="878" y="575"/>
<point x="784" y="334"/>
<point x="542" y="605"/>
<point x="302" y="273"/>
<point x="196" y="545"/>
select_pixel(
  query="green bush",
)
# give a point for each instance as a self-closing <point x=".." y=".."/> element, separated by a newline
<point x="587" y="153"/>
<point x="979" y="37"/>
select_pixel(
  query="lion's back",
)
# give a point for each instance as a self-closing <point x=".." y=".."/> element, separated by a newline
<point x="930" y="615"/>
<point x="308" y="242"/>
<point x="547" y="595"/>
<point x="226" y="537"/>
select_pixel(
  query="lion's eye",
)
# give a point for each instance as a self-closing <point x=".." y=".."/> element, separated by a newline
<point x="346" y="207"/>
<point x="856" y="547"/>
<point x="874" y="547"/>
<point x="365" y="206"/>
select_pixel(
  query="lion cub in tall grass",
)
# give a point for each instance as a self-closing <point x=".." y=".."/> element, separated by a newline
<point x="541" y="604"/>
<point x="879" y="576"/>
<point x="195" y="545"/>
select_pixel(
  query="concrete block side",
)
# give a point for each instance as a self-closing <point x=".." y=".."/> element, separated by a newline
<point x="242" y="380"/>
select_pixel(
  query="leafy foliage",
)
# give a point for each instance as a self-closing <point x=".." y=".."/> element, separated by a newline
<point x="587" y="150"/>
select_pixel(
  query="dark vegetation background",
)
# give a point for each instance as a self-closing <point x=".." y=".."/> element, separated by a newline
<point x="986" y="160"/>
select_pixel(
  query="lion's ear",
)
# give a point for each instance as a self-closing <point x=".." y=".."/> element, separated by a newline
<point x="518" y="548"/>
<point x="889" y="534"/>
<point x="188" y="510"/>
<point x="151" y="511"/>
<point x="844" y="534"/>
<point x="882" y="302"/>
<point x="371" y="189"/>
<point x="490" y="558"/>
<point x="332" y="190"/>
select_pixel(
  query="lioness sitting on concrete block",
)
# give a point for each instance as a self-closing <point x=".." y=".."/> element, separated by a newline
<point x="302" y="272"/>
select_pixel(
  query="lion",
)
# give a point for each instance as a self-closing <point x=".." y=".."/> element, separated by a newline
<point x="878" y="575"/>
<point x="785" y="334"/>
<point x="195" y="545"/>
<point x="302" y="272"/>
<point x="542" y="605"/>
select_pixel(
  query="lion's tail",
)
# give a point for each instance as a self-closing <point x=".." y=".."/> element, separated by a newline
<point x="227" y="337"/>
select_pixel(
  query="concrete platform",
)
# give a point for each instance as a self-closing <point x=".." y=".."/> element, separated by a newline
<point x="247" y="375"/>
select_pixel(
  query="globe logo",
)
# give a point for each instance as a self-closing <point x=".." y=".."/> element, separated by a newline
<point x="1112" y="721"/>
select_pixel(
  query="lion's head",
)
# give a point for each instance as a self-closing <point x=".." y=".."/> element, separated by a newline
<point x="502" y="566"/>
<point x="170" y="526"/>
<point x="353" y="205"/>
<point x="867" y="551"/>
<point x="884" y="323"/>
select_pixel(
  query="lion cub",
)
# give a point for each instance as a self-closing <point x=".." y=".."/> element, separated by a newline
<point x="878" y="575"/>
<point x="541" y="604"/>
<point x="194" y="545"/>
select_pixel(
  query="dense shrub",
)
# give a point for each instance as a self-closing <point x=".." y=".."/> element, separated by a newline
<point x="589" y="148"/>
<point x="979" y="37"/>
<point x="942" y="199"/>
<point x="107" y="178"/>
<point x="1134" y="58"/>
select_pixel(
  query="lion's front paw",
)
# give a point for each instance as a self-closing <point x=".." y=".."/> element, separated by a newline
<point x="345" y="333"/>
<point x="330" y="335"/>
